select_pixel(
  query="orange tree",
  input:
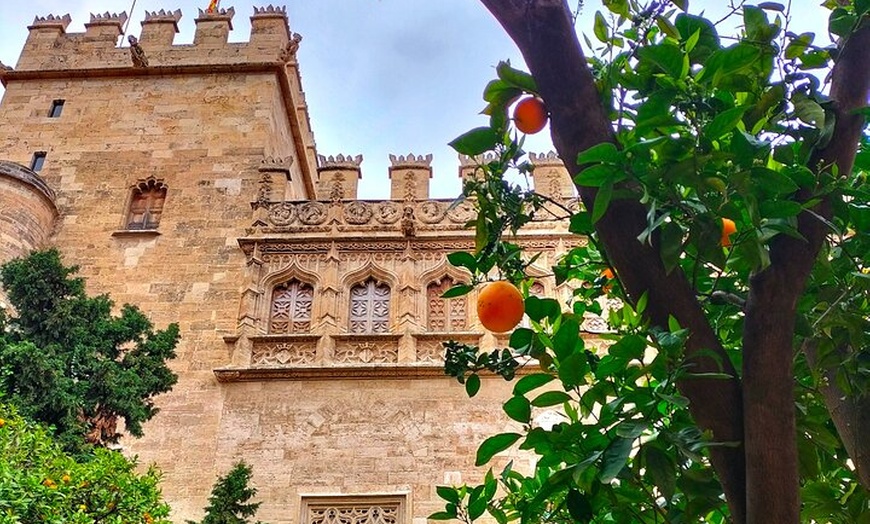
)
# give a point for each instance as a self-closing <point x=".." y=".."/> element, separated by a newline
<point x="735" y="388"/>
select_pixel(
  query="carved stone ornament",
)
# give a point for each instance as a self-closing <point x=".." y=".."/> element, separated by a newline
<point x="408" y="228"/>
<point x="387" y="212"/>
<point x="137" y="54"/>
<point x="264" y="192"/>
<point x="312" y="213"/>
<point x="430" y="212"/>
<point x="288" y="53"/>
<point x="282" y="214"/>
<point x="283" y="354"/>
<point x="462" y="212"/>
<point x="357" y="212"/>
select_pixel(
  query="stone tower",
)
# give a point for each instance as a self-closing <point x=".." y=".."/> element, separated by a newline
<point x="184" y="179"/>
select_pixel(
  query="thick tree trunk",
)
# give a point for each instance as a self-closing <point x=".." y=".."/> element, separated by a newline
<point x="544" y="32"/>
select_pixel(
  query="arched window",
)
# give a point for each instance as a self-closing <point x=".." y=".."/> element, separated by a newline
<point x="446" y="314"/>
<point x="291" y="308"/>
<point x="370" y="307"/>
<point x="146" y="204"/>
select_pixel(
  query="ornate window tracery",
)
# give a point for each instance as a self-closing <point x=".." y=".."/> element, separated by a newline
<point x="146" y="204"/>
<point x="446" y="314"/>
<point x="353" y="510"/>
<point x="291" y="308"/>
<point x="370" y="307"/>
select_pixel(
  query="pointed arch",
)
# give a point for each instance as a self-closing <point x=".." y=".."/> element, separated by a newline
<point x="370" y="303"/>
<point x="145" y="207"/>
<point x="289" y="305"/>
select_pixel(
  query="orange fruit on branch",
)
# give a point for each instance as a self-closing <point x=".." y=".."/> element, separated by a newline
<point x="728" y="229"/>
<point x="500" y="306"/>
<point x="530" y="115"/>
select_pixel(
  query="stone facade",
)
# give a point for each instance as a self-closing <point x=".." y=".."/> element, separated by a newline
<point x="184" y="179"/>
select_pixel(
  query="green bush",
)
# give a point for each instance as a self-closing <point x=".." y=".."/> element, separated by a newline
<point x="40" y="483"/>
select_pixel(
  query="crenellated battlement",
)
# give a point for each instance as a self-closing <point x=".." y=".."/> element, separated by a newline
<point x="50" y="47"/>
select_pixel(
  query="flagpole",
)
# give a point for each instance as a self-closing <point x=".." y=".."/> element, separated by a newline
<point x="127" y="24"/>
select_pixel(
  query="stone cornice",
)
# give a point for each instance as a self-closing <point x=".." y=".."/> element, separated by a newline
<point x="229" y="375"/>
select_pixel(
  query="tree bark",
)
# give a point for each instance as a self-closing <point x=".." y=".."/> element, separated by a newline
<point x="544" y="32"/>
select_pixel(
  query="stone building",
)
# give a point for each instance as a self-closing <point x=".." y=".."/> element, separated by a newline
<point x="185" y="179"/>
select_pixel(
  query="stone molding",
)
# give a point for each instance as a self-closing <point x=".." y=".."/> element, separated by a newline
<point x="28" y="177"/>
<point x="51" y="21"/>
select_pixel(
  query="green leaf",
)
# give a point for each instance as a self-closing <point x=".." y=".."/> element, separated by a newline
<point x="671" y="245"/>
<point x="540" y="308"/>
<point x="532" y="382"/>
<point x="516" y="78"/>
<point x="457" y="291"/>
<point x="602" y="33"/>
<point x="579" y="506"/>
<point x="472" y="385"/>
<point x="662" y="469"/>
<point x="808" y="109"/>
<point x="841" y="22"/>
<point x="442" y="515"/>
<point x="779" y="208"/>
<point x="614" y="459"/>
<point x="773" y="181"/>
<point x="581" y="224"/>
<point x="682" y="4"/>
<point x="602" y="201"/>
<point x="448" y="493"/>
<point x="724" y="122"/>
<point x="475" y="142"/>
<point x="463" y="259"/>
<point x="567" y="340"/>
<point x="573" y="370"/>
<point x="603" y="152"/>
<point x="518" y="408"/>
<point x="494" y="444"/>
<point x="798" y="45"/>
<point x="667" y="57"/>
<point x="550" y="398"/>
<point x="599" y="174"/>
<point x="707" y="40"/>
<point x="629" y="347"/>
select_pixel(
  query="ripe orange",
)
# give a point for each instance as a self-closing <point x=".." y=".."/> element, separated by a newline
<point x="728" y="229"/>
<point x="500" y="306"/>
<point x="607" y="273"/>
<point x="530" y="115"/>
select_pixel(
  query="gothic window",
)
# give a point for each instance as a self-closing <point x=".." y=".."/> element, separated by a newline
<point x="446" y="314"/>
<point x="370" y="307"/>
<point x="353" y="510"/>
<point x="146" y="204"/>
<point x="291" y="308"/>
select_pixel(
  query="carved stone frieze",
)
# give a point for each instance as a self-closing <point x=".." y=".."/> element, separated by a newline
<point x="366" y="350"/>
<point x="283" y="214"/>
<point x="282" y="353"/>
<point x="461" y="212"/>
<point x="312" y="213"/>
<point x="387" y="212"/>
<point x="358" y="212"/>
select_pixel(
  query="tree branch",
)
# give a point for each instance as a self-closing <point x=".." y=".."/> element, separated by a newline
<point x="544" y="32"/>
<point x="768" y="343"/>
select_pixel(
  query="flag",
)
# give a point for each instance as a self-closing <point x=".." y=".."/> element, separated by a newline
<point x="212" y="6"/>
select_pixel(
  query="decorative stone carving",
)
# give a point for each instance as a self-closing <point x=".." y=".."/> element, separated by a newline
<point x="163" y="16"/>
<point x="349" y="509"/>
<point x="367" y="352"/>
<point x="431" y="211"/>
<point x="109" y="18"/>
<point x="264" y="192"/>
<point x="370" y="307"/>
<point x="288" y="52"/>
<point x="408" y="228"/>
<point x="282" y="214"/>
<point x="387" y="212"/>
<point x="336" y="190"/>
<point x="274" y="354"/>
<point x="461" y="212"/>
<point x="446" y="314"/>
<point x="291" y="308"/>
<point x="357" y="212"/>
<point x="137" y="54"/>
<point x="595" y="324"/>
<point x="312" y="213"/>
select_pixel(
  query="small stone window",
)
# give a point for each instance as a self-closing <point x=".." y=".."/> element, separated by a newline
<point x="37" y="161"/>
<point x="291" y="308"/>
<point x="446" y="314"/>
<point x="56" y="109"/>
<point x="354" y="509"/>
<point x="146" y="204"/>
<point x="370" y="307"/>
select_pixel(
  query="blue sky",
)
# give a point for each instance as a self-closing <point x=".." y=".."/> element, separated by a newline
<point x="381" y="76"/>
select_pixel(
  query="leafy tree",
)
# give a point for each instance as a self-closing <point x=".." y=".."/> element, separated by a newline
<point x="229" y="500"/>
<point x="39" y="482"/>
<point x="735" y="386"/>
<point x="68" y="362"/>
